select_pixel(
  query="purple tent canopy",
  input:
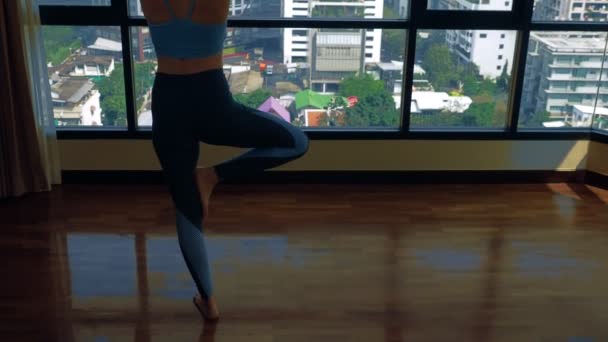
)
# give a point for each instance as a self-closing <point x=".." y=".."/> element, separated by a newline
<point x="272" y="105"/>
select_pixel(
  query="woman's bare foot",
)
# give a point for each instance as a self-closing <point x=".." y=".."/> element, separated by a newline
<point x="206" y="179"/>
<point x="207" y="307"/>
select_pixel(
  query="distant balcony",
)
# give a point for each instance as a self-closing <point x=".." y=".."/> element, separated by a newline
<point x="577" y="90"/>
<point x="587" y="65"/>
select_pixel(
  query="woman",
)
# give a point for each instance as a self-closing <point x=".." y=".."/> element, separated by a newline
<point x="192" y="102"/>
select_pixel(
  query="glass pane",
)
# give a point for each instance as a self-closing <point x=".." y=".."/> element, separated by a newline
<point x="309" y="8"/>
<point x="144" y="64"/>
<point x="76" y="2"/>
<point x="344" y="78"/>
<point x="471" y="5"/>
<point x="600" y="120"/>
<point x="86" y="75"/>
<point x="563" y="72"/>
<point x="462" y="78"/>
<point x="579" y="10"/>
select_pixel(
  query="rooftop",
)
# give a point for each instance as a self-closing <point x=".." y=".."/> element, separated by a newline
<point x="566" y="42"/>
<point x="73" y="90"/>
<point x="309" y="98"/>
<point x="591" y="109"/>
<point x="272" y="105"/>
<point x="434" y="101"/>
<point x="107" y="45"/>
<point x="66" y="68"/>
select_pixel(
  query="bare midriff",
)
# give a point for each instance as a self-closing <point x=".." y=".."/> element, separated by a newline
<point x="179" y="66"/>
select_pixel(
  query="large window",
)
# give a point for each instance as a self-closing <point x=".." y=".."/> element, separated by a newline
<point x="461" y="79"/>
<point x="331" y="83"/>
<point x="565" y="84"/>
<point x="85" y="67"/>
<point x="396" y="68"/>
<point x="303" y="8"/>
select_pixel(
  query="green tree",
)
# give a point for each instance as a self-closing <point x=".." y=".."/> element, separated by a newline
<point x="60" y="42"/>
<point x="144" y="78"/>
<point x="487" y="87"/>
<point x="537" y="119"/>
<point x="112" y="98"/>
<point x="503" y="81"/>
<point x="393" y="41"/>
<point x="373" y="110"/>
<point x="375" y="106"/>
<point x="470" y="85"/>
<point x="470" y="78"/>
<point x="113" y="110"/>
<point x="335" y="111"/>
<point x="440" y="67"/>
<point x="360" y="86"/>
<point x="393" y="44"/>
<point x="435" y="37"/>
<point x="255" y="98"/>
<point x="480" y="115"/>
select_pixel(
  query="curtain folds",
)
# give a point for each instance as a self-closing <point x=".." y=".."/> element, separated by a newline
<point x="29" y="158"/>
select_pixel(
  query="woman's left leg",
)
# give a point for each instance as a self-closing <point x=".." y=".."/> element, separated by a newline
<point x="177" y="149"/>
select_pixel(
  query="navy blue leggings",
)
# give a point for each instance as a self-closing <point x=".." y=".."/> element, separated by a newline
<point x="188" y="109"/>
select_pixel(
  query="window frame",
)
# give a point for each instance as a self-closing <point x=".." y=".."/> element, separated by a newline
<point x="420" y="18"/>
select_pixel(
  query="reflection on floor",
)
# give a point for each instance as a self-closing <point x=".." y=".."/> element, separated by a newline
<point x="311" y="263"/>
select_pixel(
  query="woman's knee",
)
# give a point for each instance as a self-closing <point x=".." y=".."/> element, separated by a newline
<point x="302" y="143"/>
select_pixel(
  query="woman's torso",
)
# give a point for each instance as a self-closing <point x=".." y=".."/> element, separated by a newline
<point x="205" y="12"/>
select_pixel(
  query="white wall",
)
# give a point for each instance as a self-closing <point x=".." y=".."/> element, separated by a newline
<point x="485" y="51"/>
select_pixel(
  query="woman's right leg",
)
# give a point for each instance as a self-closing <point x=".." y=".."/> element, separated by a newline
<point x="273" y="140"/>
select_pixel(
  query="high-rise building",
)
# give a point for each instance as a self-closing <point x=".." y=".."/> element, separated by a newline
<point x="335" y="56"/>
<point x="564" y="70"/>
<point x="490" y="50"/>
<point x="296" y="42"/>
<point x="571" y="10"/>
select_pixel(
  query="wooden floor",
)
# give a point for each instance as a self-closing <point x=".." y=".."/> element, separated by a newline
<point x="307" y="263"/>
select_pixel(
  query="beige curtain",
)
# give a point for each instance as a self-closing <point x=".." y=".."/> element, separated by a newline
<point x="29" y="159"/>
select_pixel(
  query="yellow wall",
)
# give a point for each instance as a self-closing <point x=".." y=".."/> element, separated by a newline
<point x="598" y="158"/>
<point x="356" y="155"/>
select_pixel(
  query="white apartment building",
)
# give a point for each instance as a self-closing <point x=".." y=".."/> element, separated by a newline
<point x="571" y="10"/>
<point x="563" y="70"/>
<point x="490" y="50"/>
<point x="296" y="42"/>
